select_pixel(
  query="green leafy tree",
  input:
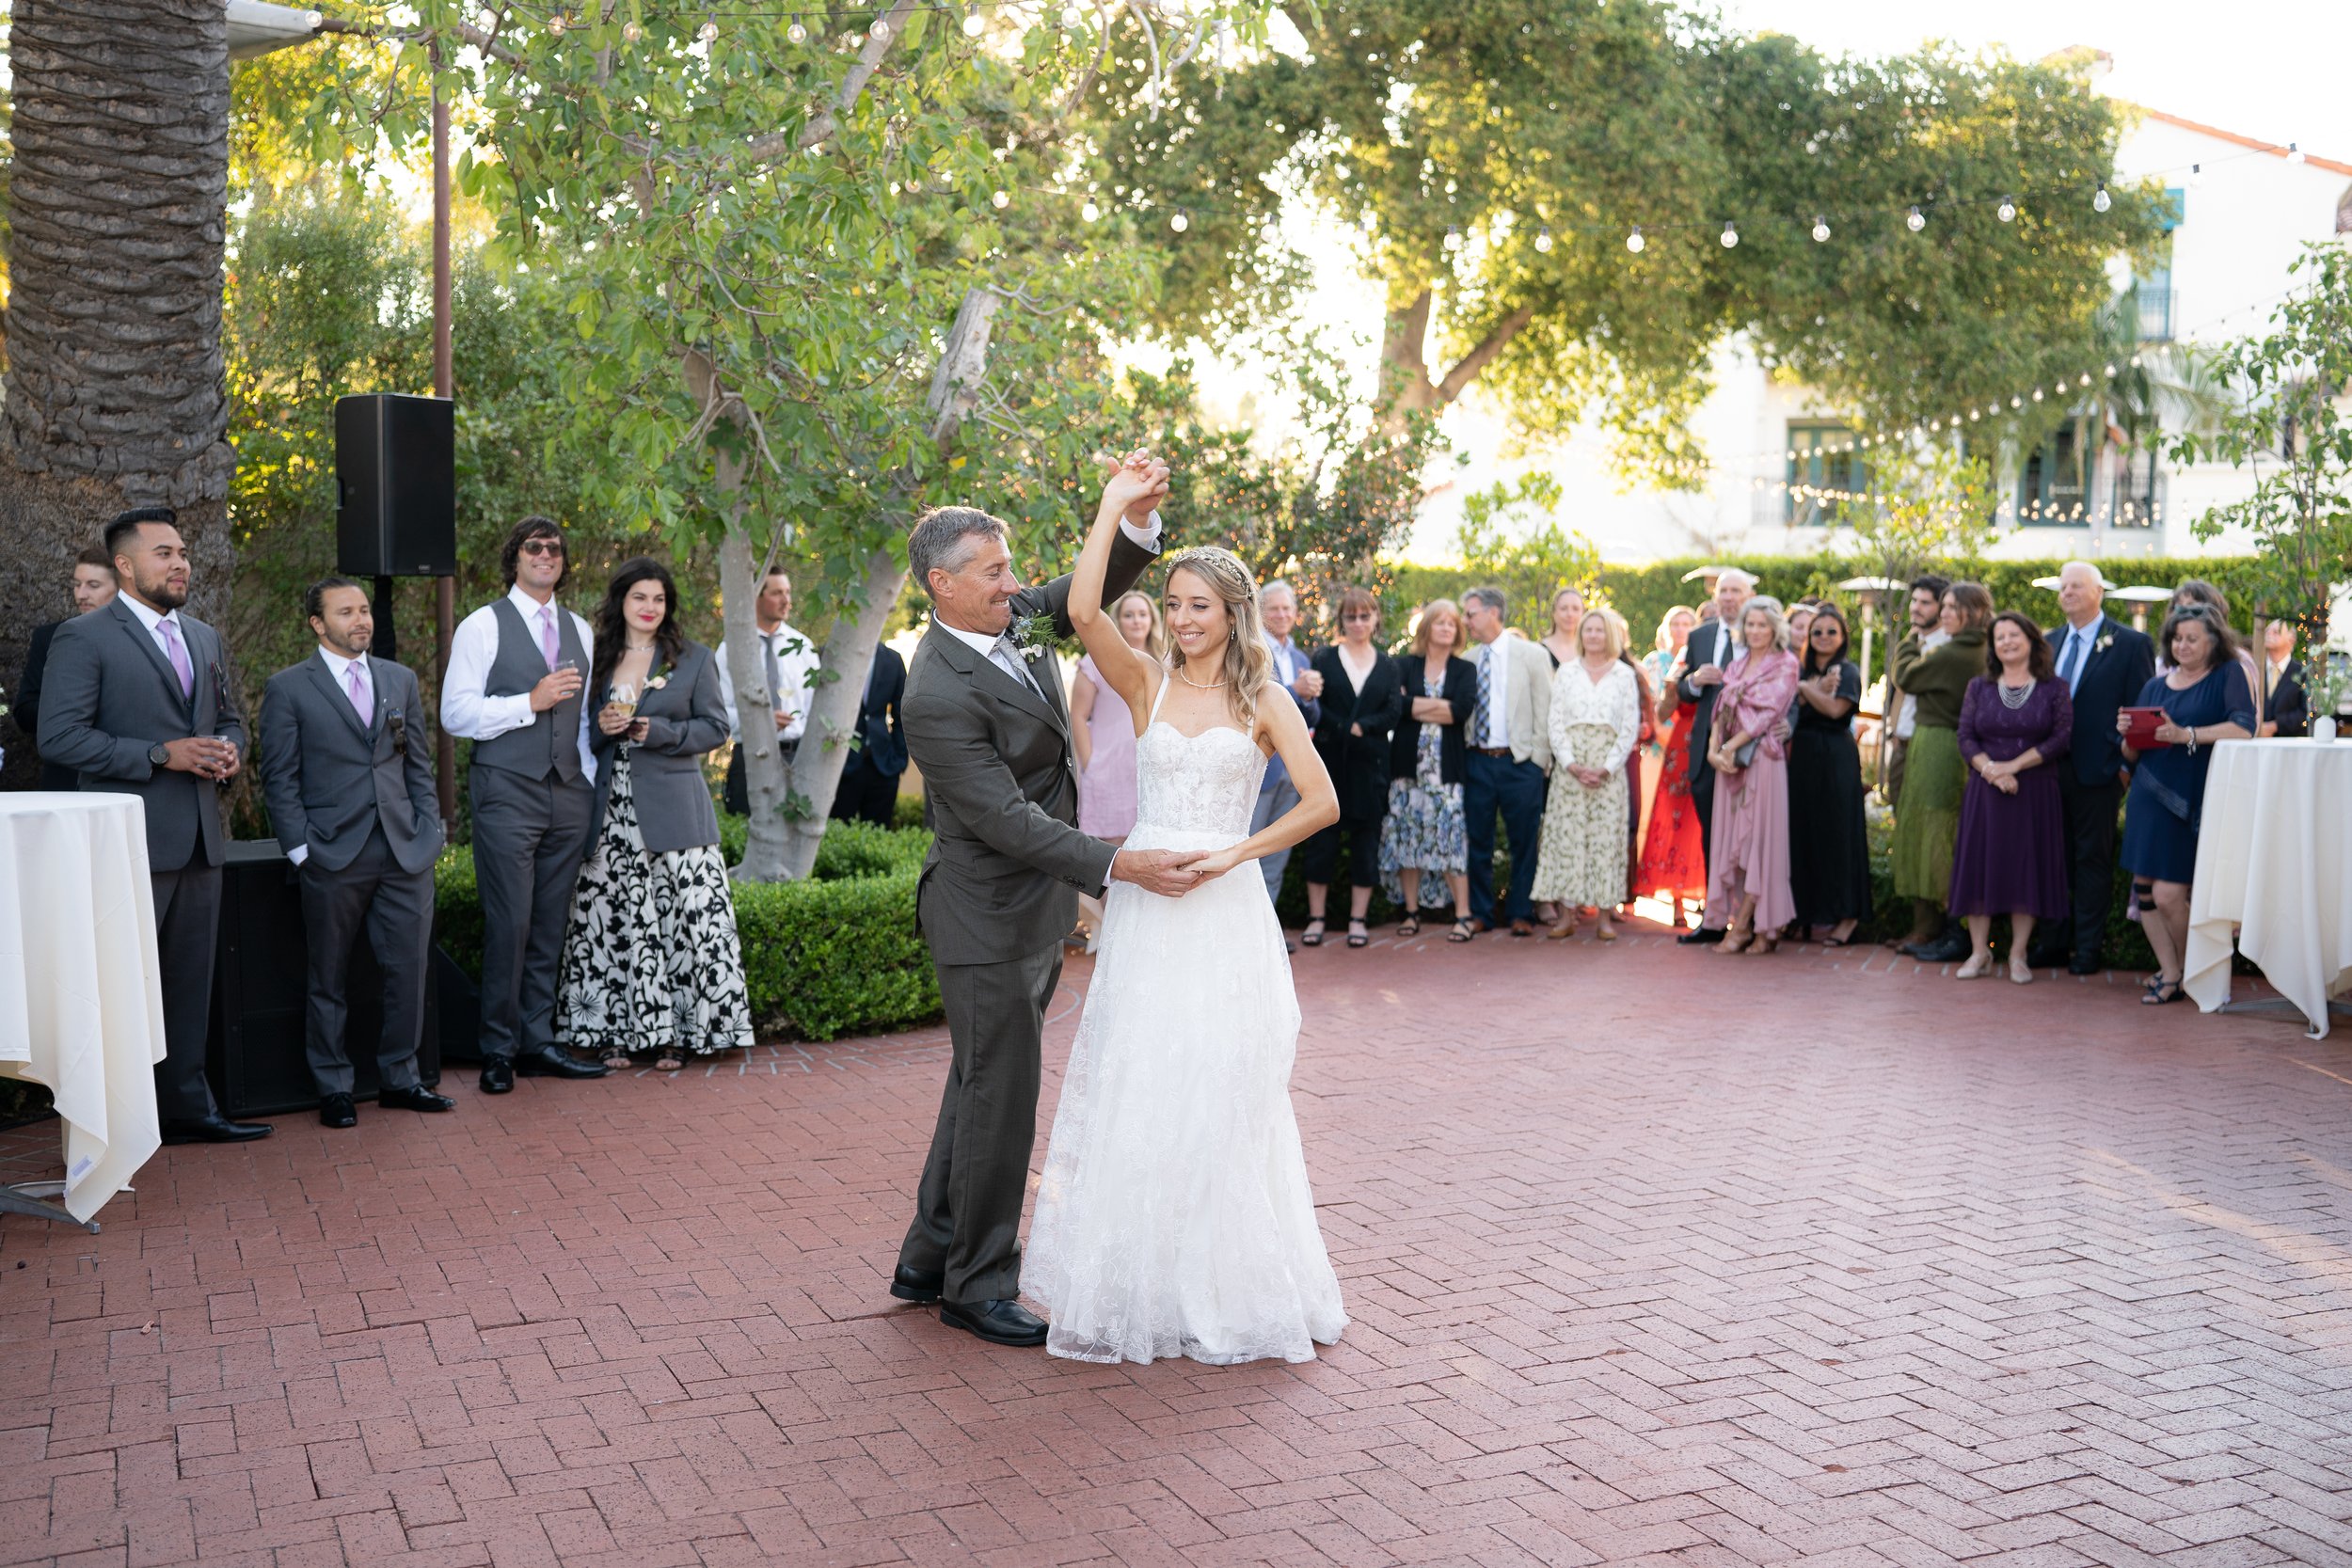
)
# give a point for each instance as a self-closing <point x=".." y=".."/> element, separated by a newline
<point x="1495" y="156"/>
<point x="1510" y="538"/>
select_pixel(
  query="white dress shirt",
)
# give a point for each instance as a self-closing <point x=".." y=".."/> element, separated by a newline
<point x="469" y="712"/>
<point x="152" y="620"/>
<point x="984" y="644"/>
<point x="795" y="680"/>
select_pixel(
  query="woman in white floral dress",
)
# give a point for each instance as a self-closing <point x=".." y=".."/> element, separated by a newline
<point x="1596" y="720"/>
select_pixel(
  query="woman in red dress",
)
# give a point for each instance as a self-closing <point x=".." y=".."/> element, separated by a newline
<point x="1674" y="856"/>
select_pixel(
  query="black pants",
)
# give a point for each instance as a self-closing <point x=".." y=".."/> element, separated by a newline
<point x="1703" y="801"/>
<point x="735" y="795"/>
<point x="2091" y="816"/>
<point x="394" y="909"/>
<point x="865" y="793"/>
<point x="1319" y="857"/>
<point x="967" y="1207"/>
<point x="1514" y="790"/>
<point x="187" y="925"/>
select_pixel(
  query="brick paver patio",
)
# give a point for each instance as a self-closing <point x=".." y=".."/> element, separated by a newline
<point x="1652" y="1255"/>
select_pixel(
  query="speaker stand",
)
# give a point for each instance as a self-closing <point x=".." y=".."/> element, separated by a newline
<point x="387" y="644"/>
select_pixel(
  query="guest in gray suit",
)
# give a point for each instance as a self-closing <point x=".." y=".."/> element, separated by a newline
<point x="652" y="965"/>
<point x="137" y="703"/>
<point x="513" y="688"/>
<point x="350" y="791"/>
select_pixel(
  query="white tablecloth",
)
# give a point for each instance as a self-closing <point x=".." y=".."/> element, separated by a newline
<point x="2274" y="856"/>
<point x="81" y="1008"/>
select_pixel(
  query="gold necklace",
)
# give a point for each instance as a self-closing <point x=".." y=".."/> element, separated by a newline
<point x="1194" y="684"/>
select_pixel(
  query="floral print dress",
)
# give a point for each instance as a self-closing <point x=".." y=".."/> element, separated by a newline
<point x="1580" y="856"/>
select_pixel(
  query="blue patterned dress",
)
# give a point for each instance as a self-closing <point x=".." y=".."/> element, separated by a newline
<point x="1425" y="829"/>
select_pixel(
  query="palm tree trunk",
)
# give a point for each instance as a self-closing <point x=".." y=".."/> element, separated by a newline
<point x="117" y="214"/>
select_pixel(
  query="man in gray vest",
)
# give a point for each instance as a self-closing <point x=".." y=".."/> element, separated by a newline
<point x="350" y="791"/>
<point x="138" y="703"/>
<point x="513" y="688"/>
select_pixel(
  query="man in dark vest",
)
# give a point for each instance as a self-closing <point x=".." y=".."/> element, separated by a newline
<point x="513" y="688"/>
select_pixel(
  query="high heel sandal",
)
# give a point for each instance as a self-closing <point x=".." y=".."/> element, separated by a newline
<point x="1408" y="928"/>
<point x="1562" y="931"/>
<point x="2020" y="971"/>
<point x="2161" y="990"/>
<point x="1463" y="931"/>
<point x="1974" y="969"/>
<point x="1356" y="935"/>
<point x="1607" y="933"/>
<point x="1765" y="944"/>
<point x="1735" y="940"/>
<point x="1312" y="935"/>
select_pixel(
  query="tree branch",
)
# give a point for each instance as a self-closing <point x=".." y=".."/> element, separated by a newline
<point x="1478" y="359"/>
<point x="778" y="144"/>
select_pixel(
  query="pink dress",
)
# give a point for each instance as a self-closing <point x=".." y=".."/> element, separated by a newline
<point x="1749" y="851"/>
<point x="1106" y="785"/>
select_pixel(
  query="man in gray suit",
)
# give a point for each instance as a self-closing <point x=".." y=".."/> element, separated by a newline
<point x="136" y="703"/>
<point x="987" y="723"/>
<point x="350" y="792"/>
<point x="516" y="669"/>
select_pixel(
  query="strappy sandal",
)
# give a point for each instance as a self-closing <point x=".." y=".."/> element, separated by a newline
<point x="1312" y="935"/>
<point x="1356" y="935"/>
<point x="1462" y="932"/>
<point x="1408" y="928"/>
<point x="617" y="1061"/>
<point x="2160" y="992"/>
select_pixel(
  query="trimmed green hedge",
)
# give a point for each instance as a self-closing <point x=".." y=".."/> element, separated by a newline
<point x="834" y="955"/>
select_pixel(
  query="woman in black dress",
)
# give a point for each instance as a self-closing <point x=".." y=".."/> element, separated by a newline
<point x="1829" y="842"/>
<point x="1363" y="699"/>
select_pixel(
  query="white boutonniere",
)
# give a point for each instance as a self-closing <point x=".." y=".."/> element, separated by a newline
<point x="2106" y="641"/>
<point x="657" y="683"/>
<point x="1033" y="635"/>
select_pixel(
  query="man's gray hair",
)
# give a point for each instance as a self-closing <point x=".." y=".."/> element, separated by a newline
<point x="942" y="540"/>
<point x="1737" y="577"/>
<point x="1493" y="599"/>
<point x="1275" y="585"/>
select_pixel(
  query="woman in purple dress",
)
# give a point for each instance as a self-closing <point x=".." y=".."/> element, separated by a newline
<point x="2010" y="857"/>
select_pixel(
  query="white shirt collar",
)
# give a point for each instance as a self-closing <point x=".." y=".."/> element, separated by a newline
<point x="978" y="642"/>
<point x="148" y="618"/>
<point x="339" y="667"/>
<point x="528" y="606"/>
<point x="785" y="632"/>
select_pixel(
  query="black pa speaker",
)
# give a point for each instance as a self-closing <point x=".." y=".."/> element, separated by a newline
<point x="396" y="486"/>
<point x="260" y="986"/>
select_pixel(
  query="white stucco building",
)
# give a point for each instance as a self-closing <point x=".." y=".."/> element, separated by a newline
<point x="2243" y="209"/>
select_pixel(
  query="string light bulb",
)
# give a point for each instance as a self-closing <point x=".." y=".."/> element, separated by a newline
<point x="974" y="24"/>
<point x="1915" y="220"/>
<point x="1821" y="231"/>
<point x="1543" y="239"/>
<point x="2100" y="201"/>
<point x="1634" y="242"/>
<point x="2007" y="211"/>
<point x="1179" y="222"/>
<point x="880" y="30"/>
<point x="796" y="33"/>
<point x="631" y="32"/>
<point x="556" y="24"/>
<point x="1001" y="200"/>
<point x="1073" y="18"/>
<point x="1730" y="236"/>
<point x="1453" y="239"/>
<point x="1089" y="211"/>
<point x="2016" y="402"/>
<point x="2037" y="394"/>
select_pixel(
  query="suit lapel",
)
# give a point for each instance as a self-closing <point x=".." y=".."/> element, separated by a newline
<point x="138" y="633"/>
<point x="337" y="697"/>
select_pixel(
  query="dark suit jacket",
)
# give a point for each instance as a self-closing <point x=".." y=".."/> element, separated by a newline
<point x="882" y="741"/>
<point x="686" y="716"/>
<point x="26" y="705"/>
<point x="1000" y="788"/>
<point x="1358" y="763"/>
<point x="2122" y="661"/>
<point x="1711" y="644"/>
<point x="329" y="782"/>
<point x="108" y="696"/>
<point x="2287" y="703"/>
<point x="1461" y="690"/>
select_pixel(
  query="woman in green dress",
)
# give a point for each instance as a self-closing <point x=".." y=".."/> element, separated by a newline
<point x="1927" y="817"/>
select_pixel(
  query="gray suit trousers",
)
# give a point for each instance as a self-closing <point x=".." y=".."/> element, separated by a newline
<point x="395" y="908"/>
<point x="528" y="838"/>
<point x="187" y="926"/>
<point x="967" y="1208"/>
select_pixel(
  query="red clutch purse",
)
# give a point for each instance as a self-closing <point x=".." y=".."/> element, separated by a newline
<point x="2141" y="734"/>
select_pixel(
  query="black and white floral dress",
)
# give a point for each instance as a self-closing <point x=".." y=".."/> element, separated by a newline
<point x="652" y="963"/>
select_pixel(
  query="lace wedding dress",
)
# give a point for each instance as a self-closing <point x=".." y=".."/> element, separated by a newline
<point x="1174" y="1217"/>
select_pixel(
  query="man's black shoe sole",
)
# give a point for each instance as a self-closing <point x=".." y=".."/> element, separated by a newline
<point x="949" y="1315"/>
<point x="914" y="1293"/>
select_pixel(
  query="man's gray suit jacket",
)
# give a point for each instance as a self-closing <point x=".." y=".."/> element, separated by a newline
<point x="330" y="781"/>
<point x="109" y="696"/>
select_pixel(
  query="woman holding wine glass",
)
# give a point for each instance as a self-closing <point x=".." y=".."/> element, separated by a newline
<point x="652" y="965"/>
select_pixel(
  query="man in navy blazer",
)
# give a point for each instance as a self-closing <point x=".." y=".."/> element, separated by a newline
<point x="2105" y="663"/>
<point x="869" y="790"/>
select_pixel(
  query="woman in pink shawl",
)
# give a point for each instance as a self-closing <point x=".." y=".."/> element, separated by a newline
<point x="1747" y="859"/>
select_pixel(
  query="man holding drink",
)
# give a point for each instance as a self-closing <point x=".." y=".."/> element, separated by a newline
<point x="515" y="670"/>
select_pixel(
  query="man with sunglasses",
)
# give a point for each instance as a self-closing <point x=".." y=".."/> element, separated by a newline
<point x="513" y="688"/>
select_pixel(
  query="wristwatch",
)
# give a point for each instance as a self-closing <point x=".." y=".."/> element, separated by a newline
<point x="159" y="756"/>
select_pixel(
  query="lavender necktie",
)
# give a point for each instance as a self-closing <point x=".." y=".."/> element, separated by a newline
<point x="363" y="703"/>
<point x="547" y="633"/>
<point x="177" y="652"/>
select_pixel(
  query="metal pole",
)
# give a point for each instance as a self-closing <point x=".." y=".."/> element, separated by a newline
<point x="445" y="596"/>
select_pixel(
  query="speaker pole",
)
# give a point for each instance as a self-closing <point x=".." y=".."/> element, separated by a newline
<point x="387" y="645"/>
<point x="444" y="379"/>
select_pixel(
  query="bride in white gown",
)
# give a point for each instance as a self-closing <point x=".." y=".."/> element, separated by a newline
<point x="1174" y="1217"/>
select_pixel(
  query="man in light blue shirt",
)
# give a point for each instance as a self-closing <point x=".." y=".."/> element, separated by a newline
<point x="1278" y="607"/>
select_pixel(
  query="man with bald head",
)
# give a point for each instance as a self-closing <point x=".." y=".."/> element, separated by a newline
<point x="2104" y="663"/>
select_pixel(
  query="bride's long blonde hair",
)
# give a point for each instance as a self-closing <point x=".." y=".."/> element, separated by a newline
<point x="1249" y="662"/>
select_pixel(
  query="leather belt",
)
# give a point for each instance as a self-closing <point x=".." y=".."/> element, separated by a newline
<point x="1492" y="751"/>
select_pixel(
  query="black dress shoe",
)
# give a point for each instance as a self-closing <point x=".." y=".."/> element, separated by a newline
<point x="921" y="1285"/>
<point x="548" y="1062"/>
<point x="216" y="1129"/>
<point x="2044" y="956"/>
<point x="2086" y="963"/>
<point x="1704" y="936"/>
<point x="1000" y="1323"/>
<point x="1939" y="950"/>
<point x="416" y="1098"/>
<point x="335" y="1110"/>
<point x="497" y="1074"/>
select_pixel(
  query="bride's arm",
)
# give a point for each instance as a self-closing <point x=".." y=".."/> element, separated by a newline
<point x="1318" y="802"/>
<point x="1131" y="672"/>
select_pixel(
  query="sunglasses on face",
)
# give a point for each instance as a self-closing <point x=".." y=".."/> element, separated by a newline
<point x="1359" y="615"/>
<point x="541" y="547"/>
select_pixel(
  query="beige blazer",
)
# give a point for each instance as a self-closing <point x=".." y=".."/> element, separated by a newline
<point x="1525" y="693"/>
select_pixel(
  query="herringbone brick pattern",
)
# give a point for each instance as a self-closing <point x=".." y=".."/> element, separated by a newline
<point x="1653" y="1256"/>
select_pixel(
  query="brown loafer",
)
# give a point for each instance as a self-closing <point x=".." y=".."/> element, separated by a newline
<point x="1522" y="927"/>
